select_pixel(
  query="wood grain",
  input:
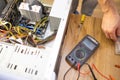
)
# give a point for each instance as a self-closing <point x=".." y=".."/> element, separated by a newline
<point x="48" y="2"/>
<point x="104" y="57"/>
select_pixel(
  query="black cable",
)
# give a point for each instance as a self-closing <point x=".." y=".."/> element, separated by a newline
<point x="78" y="68"/>
<point x="91" y="71"/>
<point x="78" y="76"/>
<point x="68" y="70"/>
<point x="79" y="71"/>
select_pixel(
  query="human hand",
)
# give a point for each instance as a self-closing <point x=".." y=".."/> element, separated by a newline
<point x="111" y="25"/>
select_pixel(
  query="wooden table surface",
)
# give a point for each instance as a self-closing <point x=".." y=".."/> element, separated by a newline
<point x="48" y="2"/>
<point x="104" y="57"/>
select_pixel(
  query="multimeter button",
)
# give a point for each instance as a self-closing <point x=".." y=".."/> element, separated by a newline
<point x="80" y="54"/>
<point x="69" y="56"/>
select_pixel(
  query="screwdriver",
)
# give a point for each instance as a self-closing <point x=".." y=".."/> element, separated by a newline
<point x="83" y="16"/>
<point x="82" y="19"/>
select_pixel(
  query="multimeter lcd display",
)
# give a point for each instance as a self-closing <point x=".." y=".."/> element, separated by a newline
<point x="89" y="44"/>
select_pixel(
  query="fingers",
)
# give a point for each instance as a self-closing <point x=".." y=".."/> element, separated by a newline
<point x="107" y="35"/>
<point x="111" y="35"/>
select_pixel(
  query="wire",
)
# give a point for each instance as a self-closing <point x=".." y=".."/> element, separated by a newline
<point x="40" y="24"/>
<point x="111" y="78"/>
<point x="78" y="68"/>
<point x="10" y="25"/>
<point x="68" y="70"/>
<point x="4" y="23"/>
<point x="93" y="66"/>
<point x="100" y="72"/>
<point x="91" y="71"/>
<point x="78" y="76"/>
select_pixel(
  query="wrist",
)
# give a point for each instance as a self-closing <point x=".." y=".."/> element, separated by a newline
<point x="111" y="10"/>
<point x="108" y="6"/>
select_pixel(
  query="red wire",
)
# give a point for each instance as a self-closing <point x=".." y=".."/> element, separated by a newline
<point x="94" y="67"/>
<point x="78" y="68"/>
<point x="111" y="78"/>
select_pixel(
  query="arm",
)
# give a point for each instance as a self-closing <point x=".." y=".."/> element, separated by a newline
<point x="111" y="19"/>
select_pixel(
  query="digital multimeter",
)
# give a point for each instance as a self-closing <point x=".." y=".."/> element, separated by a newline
<point x="82" y="51"/>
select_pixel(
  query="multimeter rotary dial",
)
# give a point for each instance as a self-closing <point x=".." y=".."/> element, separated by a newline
<point x="80" y="54"/>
